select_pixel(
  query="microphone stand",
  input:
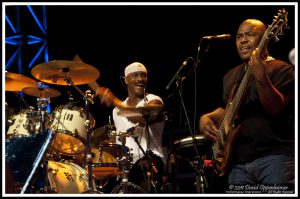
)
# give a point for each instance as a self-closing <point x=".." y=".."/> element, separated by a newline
<point x="201" y="181"/>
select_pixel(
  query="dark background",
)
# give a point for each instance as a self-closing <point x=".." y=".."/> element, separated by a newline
<point x="161" y="37"/>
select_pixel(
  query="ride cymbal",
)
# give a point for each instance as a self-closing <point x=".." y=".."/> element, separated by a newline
<point x="58" y="71"/>
<point x="16" y="82"/>
<point x="41" y="92"/>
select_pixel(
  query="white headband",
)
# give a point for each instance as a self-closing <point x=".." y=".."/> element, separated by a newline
<point x="134" y="67"/>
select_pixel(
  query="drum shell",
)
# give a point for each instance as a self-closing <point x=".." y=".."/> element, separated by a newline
<point x="105" y="159"/>
<point x="23" y="125"/>
<point x="69" y="125"/>
<point x="67" y="177"/>
<point x="185" y="155"/>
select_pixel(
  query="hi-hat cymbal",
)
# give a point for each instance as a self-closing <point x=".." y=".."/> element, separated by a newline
<point x="55" y="72"/>
<point x="149" y="110"/>
<point x="16" y="82"/>
<point x="41" y="92"/>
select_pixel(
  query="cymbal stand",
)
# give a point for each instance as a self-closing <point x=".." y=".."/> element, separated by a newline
<point x="148" y="152"/>
<point x="125" y="163"/>
<point x="41" y="158"/>
<point x="30" y="124"/>
<point x="150" y="165"/>
<point x="87" y="98"/>
<point x="42" y="103"/>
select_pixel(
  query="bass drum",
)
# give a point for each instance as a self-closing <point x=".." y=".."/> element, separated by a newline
<point x="67" y="177"/>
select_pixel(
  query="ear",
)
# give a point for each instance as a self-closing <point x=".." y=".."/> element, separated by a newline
<point x="126" y="81"/>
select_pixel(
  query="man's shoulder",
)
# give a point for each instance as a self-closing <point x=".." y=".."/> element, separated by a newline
<point x="116" y="109"/>
<point x="277" y="65"/>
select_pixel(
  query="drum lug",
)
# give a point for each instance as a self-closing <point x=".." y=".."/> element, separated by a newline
<point x="10" y="122"/>
<point x="54" y="171"/>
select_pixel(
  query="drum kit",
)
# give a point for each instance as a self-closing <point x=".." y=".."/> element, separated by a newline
<point x="59" y="152"/>
<point x="41" y="148"/>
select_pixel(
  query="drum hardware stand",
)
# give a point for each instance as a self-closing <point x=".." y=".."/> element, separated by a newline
<point x="87" y="98"/>
<point x="151" y="167"/>
<point x="38" y="161"/>
<point x="89" y="158"/>
<point x="125" y="161"/>
<point x="30" y="124"/>
<point x="42" y="102"/>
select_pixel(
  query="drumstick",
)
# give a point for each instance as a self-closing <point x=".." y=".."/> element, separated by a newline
<point x="94" y="86"/>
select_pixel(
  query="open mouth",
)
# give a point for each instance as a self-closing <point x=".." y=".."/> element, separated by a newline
<point x="140" y="86"/>
<point x="245" y="49"/>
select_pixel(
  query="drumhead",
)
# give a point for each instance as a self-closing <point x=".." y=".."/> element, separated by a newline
<point x="200" y="140"/>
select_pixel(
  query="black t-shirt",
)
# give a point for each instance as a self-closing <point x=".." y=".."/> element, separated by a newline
<point x="260" y="133"/>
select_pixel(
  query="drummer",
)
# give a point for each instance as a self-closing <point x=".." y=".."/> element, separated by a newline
<point x="136" y="78"/>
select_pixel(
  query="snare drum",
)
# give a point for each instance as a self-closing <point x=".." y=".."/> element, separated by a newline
<point x="105" y="160"/>
<point x="68" y="122"/>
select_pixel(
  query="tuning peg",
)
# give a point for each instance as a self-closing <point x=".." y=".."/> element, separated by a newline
<point x="281" y="32"/>
<point x="286" y="26"/>
<point x="276" y="39"/>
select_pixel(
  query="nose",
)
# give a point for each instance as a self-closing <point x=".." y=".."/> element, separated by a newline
<point x="244" y="39"/>
<point x="139" y="77"/>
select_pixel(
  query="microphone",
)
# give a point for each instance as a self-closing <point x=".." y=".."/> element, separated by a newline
<point x="177" y="73"/>
<point x="129" y="131"/>
<point x="212" y="37"/>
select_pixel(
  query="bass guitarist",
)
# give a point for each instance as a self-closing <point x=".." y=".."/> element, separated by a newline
<point x="254" y="133"/>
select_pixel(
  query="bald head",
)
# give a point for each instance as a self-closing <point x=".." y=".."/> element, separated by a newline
<point x="256" y="24"/>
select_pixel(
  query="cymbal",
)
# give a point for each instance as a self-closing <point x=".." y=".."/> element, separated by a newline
<point x="55" y="72"/>
<point x="41" y="92"/>
<point x="148" y="110"/>
<point x="16" y="82"/>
